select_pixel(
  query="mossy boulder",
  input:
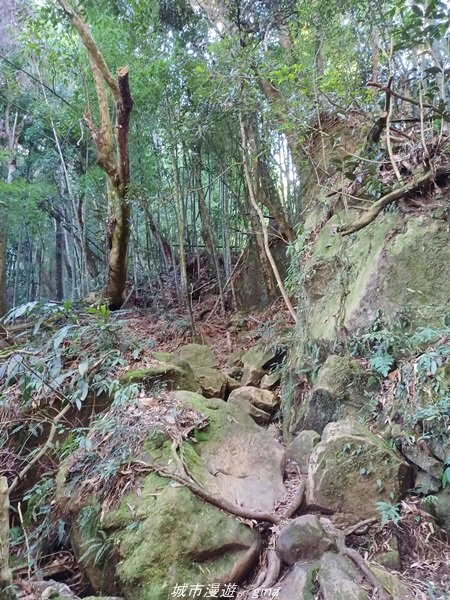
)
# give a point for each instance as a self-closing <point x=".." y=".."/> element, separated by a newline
<point x="173" y="537"/>
<point x="262" y="399"/>
<point x="176" y="375"/>
<point x="441" y="509"/>
<point x="298" y="583"/>
<point x="198" y="355"/>
<point x="160" y="534"/>
<point x="351" y="469"/>
<point x="212" y="382"/>
<point x="256" y="361"/>
<point x="303" y="539"/>
<point x="338" y="578"/>
<point x="391" y="584"/>
<point x="301" y="447"/>
<point x="390" y="265"/>
<point x="338" y="392"/>
<point x="235" y="458"/>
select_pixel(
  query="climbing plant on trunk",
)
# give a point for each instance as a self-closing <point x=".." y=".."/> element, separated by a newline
<point x="111" y="144"/>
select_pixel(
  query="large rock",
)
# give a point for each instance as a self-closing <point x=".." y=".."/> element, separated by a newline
<point x="238" y="460"/>
<point x="257" y="358"/>
<point x="261" y="399"/>
<point x="394" y="587"/>
<point x="161" y="533"/>
<point x="271" y="380"/>
<point x="176" y="375"/>
<point x="351" y="469"/>
<point x="163" y="536"/>
<point x="303" y="539"/>
<point x="298" y="583"/>
<point x="422" y="459"/>
<point x="259" y="416"/>
<point x="442" y="510"/>
<point x="198" y="355"/>
<point x="391" y="264"/>
<point x="212" y="382"/>
<point x="301" y="447"/>
<point x="337" y="393"/>
<point x="337" y="579"/>
<point x="426" y="483"/>
<point x="255" y="361"/>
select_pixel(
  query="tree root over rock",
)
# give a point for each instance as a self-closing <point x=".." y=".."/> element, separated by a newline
<point x="268" y="576"/>
<point x="415" y="185"/>
<point x="297" y="500"/>
<point x="359" y="561"/>
<point x="245" y="513"/>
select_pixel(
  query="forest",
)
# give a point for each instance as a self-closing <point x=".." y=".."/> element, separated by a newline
<point x="224" y="299"/>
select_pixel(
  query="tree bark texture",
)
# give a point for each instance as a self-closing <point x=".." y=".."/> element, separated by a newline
<point x="111" y="144"/>
<point x="6" y="590"/>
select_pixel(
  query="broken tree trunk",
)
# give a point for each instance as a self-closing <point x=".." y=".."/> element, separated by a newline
<point x="111" y="144"/>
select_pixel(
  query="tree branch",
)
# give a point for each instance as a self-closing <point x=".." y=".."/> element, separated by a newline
<point x="95" y="55"/>
<point x="386" y="89"/>
<point x="413" y="186"/>
<point x="43" y="450"/>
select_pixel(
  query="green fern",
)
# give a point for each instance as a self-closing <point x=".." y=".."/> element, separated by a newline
<point x="382" y="363"/>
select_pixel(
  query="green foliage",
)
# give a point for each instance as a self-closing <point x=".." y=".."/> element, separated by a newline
<point x="388" y="512"/>
<point x="381" y="362"/>
<point x="446" y="475"/>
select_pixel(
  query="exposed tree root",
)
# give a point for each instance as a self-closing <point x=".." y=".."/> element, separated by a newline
<point x="268" y="574"/>
<point x="356" y="557"/>
<point x="415" y="185"/>
<point x="297" y="500"/>
<point x="360" y="525"/>
<point x="238" y="511"/>
<point x="273" y="569"/>
<point x="241" y="567"/>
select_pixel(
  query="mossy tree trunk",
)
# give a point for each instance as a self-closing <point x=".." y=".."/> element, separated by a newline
<point x="111" y="144"/>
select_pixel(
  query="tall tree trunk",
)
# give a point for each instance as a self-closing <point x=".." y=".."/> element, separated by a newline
<point x="207" y="233"/>
<point x="111" y="144"/>
<point x="3" y="242"/>
<point x="180" y="223"/>
<point x="59" y="260"/>
<point x="265" y="188"/>
<point x="6" y="589"/>
<point x="11" y="135"/>
<point x="247" y="165"/>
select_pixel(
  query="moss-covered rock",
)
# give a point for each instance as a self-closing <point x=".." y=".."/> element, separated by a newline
<point x="262" y="399"/>
<point x="212" y="382"/>
<point x="298" y="583"/>
<point x="169" y="375"/>
<point x="351" y="469"/>
<point x="301" y="447"/>
<point x="198" y="355"/>
<point x="396" y="589"/>
<point x="303" y="539"/>
<point x="386" y="267"/>
<point x="160" y="534"/>
<point x="337" y="578"/>
<point x="339" y="392"/>
<point x="179" y="539"/>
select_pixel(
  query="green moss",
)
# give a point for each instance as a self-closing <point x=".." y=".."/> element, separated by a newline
<point x="312" y="586"/>
<point x="173" y="376"/>
<point x="177" y="543"/>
